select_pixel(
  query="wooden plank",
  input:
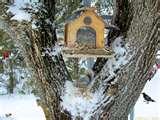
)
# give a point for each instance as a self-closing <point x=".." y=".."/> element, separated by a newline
<point x="107" y="53"/>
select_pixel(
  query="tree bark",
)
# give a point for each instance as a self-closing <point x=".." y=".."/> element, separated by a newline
<point x="122" y="18"/>
<point x="142" y="36"/>
<point x="50" y="71"/>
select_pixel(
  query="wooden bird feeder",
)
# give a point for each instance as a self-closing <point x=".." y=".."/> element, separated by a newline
<point x="84" y="36"/>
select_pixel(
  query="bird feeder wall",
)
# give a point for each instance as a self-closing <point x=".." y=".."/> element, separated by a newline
<point x="87" y="20"/>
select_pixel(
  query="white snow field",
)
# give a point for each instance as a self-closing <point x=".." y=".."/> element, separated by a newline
<point x="20" y="107"/>
<point x="150" y="111"/>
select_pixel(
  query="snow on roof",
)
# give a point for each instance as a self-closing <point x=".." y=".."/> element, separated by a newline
<point x="77" y="13"/>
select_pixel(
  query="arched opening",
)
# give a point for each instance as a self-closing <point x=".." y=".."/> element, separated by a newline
<point x="86" y="36"/>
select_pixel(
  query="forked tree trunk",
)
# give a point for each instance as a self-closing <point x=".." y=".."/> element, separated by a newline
<point x="141" y="32"/>
<point x="139" y="22"/>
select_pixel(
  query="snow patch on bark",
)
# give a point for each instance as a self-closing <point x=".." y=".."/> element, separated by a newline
<point x="80" y="102"/>
<point x="121" y="56"/>
<point x="158" y="55"/>
<point x="56" y="50"/>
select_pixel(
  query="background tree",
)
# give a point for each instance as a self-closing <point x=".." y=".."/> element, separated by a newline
<point x="13" y="71"/>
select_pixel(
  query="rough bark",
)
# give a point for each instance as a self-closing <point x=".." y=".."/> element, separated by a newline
<point x="143" y="36"/>
<point x="100" y="62"/>
<point x="50" y="71"/>
<point x="122" y="18"/>
<point x="50" y="76"/>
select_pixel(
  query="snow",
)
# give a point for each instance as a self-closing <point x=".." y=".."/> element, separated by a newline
<point x="16" y="9"/>
<point x="152" y="109"/>
<point x="6" y="118"/>
<point x="25" y="107"/>
<point x="105" y="7"/>
<point x="82" y="105"/>
<point x="93" y="3"/>
<point x="20" y="74"/>
<point x="158" y="55"/>
<point x="20" y="107"/>
<point x="34" y="24"/>
<point x="79" y="103"/>
<point x="4" y="78"/>
<point x="121" y="57"/>
<point x="55" y="50"/>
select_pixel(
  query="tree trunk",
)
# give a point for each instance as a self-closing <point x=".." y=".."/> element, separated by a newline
<point x="142" y="37"/>
<point x="50" y="71"/>
<point x="12" y="80"/>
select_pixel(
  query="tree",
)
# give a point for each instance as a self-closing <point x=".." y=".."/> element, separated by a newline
<point x="139" y="23"/>
<point x="141" y="33"/>
<point x="13" y="71"/>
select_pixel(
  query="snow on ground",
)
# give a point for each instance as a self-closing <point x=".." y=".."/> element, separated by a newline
<point x="20" y="107"/>
<point x="152" y="109"/>
<point x="79" y="103"/>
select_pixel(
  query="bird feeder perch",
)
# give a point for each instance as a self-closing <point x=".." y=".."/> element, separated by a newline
<point x="84" y="36"/>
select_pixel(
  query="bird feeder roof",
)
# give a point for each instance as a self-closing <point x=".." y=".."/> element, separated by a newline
<point x="80" y="12"/>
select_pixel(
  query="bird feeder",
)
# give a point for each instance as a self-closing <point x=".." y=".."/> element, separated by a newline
<point x="84" y="36"/>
